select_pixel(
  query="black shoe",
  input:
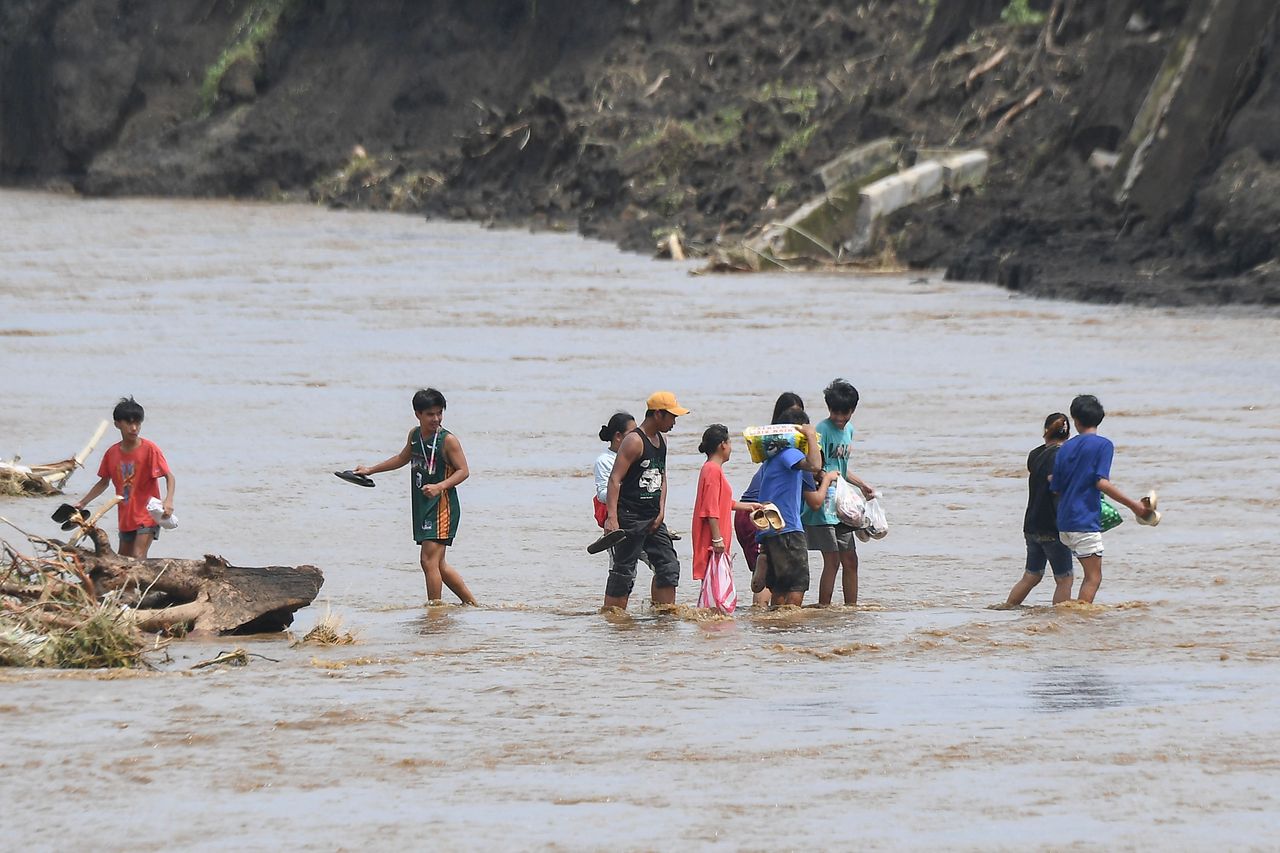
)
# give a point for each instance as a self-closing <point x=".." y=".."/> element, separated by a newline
<point x="607" y="541"/>
<point x="65" y="513"/>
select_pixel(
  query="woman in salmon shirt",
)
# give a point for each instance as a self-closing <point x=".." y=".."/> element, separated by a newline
<point x="714" y="505"/>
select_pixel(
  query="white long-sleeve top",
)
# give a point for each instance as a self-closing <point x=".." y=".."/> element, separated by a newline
<point x="603" y="468"/>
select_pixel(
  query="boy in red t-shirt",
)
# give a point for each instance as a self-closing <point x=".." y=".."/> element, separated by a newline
<point x="134" y="466"/>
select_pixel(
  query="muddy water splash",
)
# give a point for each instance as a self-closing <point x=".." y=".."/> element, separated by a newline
<point x="273" y="345"/>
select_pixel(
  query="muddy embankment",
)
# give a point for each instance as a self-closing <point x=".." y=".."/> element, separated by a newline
<point x="629" y="120"/>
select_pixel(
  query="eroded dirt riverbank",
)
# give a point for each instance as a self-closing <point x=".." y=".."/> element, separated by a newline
<point x="630" y="121"/>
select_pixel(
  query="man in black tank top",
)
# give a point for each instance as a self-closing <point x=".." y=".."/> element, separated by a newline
<point x="637" y="505"/>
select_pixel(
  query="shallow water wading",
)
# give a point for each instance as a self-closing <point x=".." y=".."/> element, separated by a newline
<point x="1126" y="147"/>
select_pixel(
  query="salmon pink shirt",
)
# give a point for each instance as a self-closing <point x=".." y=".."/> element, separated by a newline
<point x="136" y="476"/>
<point x="714" y="500"/>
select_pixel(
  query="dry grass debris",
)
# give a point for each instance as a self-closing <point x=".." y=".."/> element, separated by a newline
<point x="49" y="616"/>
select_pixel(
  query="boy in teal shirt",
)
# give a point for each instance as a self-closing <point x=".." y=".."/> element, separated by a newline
<point x="826" y="533"/>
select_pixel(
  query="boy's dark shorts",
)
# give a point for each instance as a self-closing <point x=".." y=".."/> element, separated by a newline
<point x="132" y="535"/>
<point x="788" y="562"/>
<point x="656" y="546"/>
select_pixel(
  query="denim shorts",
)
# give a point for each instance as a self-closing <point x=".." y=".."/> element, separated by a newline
<point x="131" y="535"/>
<point x="1042" y="549"/>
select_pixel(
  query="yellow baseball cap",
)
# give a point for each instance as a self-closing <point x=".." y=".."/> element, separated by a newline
<point x="665" y="401"/>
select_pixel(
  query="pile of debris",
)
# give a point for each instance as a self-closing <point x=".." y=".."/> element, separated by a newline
<point x="66" y="606"/>
<point x="50" y="616"/>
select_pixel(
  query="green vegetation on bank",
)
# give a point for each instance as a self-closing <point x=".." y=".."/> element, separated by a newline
<point x="798" y="102"/>
<point x="255" y="30"/>
<point x="1019" y="13"/>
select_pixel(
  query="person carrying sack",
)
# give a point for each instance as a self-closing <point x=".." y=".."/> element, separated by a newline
<point x="713" y="509"/>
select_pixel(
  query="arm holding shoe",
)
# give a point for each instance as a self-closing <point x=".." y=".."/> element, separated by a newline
<point x="1139" y="509"/>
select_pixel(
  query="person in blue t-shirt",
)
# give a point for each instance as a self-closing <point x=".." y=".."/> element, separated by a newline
<point x="786" y="480"/>
<point x="745" y="528"/>
<point x="825" y="532"/>
<point x="1081" y="475"/>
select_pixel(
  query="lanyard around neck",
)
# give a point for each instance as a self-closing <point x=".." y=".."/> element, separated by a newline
<point x="435" y="441"/>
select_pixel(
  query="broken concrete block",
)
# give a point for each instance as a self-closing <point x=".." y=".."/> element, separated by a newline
<point x="820" y="225"/>
<point x="856" y="164"/>
<point x="879" y="199"/>
<point x="964" y="170"/>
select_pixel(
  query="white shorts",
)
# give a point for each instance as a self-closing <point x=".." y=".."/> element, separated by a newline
<point x="1085" y="544"/>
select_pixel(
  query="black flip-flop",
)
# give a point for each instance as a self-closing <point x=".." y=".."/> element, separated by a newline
<point x="78" y="518"/>
<point x="607" y="541"/>
<point x="64" y="513"/>
<point x="353" y="477"/>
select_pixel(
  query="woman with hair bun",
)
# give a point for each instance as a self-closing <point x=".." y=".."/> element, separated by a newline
<point x="1040" y="524"/>
<point x="714" y="505"/>
<point x="611" y="433"/>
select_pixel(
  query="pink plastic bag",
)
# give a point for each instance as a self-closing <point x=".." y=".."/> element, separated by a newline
<point x="718" y="590"/>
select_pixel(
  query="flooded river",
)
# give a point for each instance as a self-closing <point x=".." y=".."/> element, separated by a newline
<point x="273" y="345"/>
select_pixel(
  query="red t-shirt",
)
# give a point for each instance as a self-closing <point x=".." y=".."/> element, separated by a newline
<point x="714" y="500"/>
<point x="135" y="475"/>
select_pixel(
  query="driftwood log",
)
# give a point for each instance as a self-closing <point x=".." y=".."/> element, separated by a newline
<point x="47" y="479"/>
<point x="201" y="595"/>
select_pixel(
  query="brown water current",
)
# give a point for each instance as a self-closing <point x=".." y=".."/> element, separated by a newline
<point x="273" y="345"/>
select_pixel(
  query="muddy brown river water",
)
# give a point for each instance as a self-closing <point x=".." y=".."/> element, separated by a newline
<point x="272" y="345"/>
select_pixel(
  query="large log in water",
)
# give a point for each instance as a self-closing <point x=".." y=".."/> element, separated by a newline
<point x="203" y="595"/>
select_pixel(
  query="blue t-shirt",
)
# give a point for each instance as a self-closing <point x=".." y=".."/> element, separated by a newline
<point x="1079" y="465"/>
<point x="752" y="494"/>
<point x="836" y="446"/>
<point x="780" y="485"/>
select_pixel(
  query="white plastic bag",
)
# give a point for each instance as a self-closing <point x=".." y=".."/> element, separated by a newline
<point x="718" y="590"/>
<point x="155" y="508"/>
<point x="850" y="504"/>
<point x="874" y="519"/>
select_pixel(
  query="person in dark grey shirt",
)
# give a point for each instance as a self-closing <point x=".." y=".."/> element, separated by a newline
<point x="1040" y="525"/>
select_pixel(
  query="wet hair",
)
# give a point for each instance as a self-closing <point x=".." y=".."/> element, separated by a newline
<point x="1087" y="410"/>
<point x="616" y="424"/>
<point x="1057" y="425"/>
<point x="128" y="410"/>
<point x="840" y="396"/>
<point x="794" y="415"/>
<point x="428" y="398"/>
<point x="714" y="436"/>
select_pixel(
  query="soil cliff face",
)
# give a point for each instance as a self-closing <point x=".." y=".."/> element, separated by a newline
<point x="633" y="119"/>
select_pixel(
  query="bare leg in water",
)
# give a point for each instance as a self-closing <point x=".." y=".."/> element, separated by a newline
<point x="439" y="574"/>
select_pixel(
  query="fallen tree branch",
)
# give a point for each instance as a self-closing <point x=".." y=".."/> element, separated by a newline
<point x="67" y="607"/>
<point x="986" y="67"/>
<point x="1027" y="103"/>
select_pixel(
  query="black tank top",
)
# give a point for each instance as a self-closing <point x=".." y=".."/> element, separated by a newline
<point x="641" y="489"/>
